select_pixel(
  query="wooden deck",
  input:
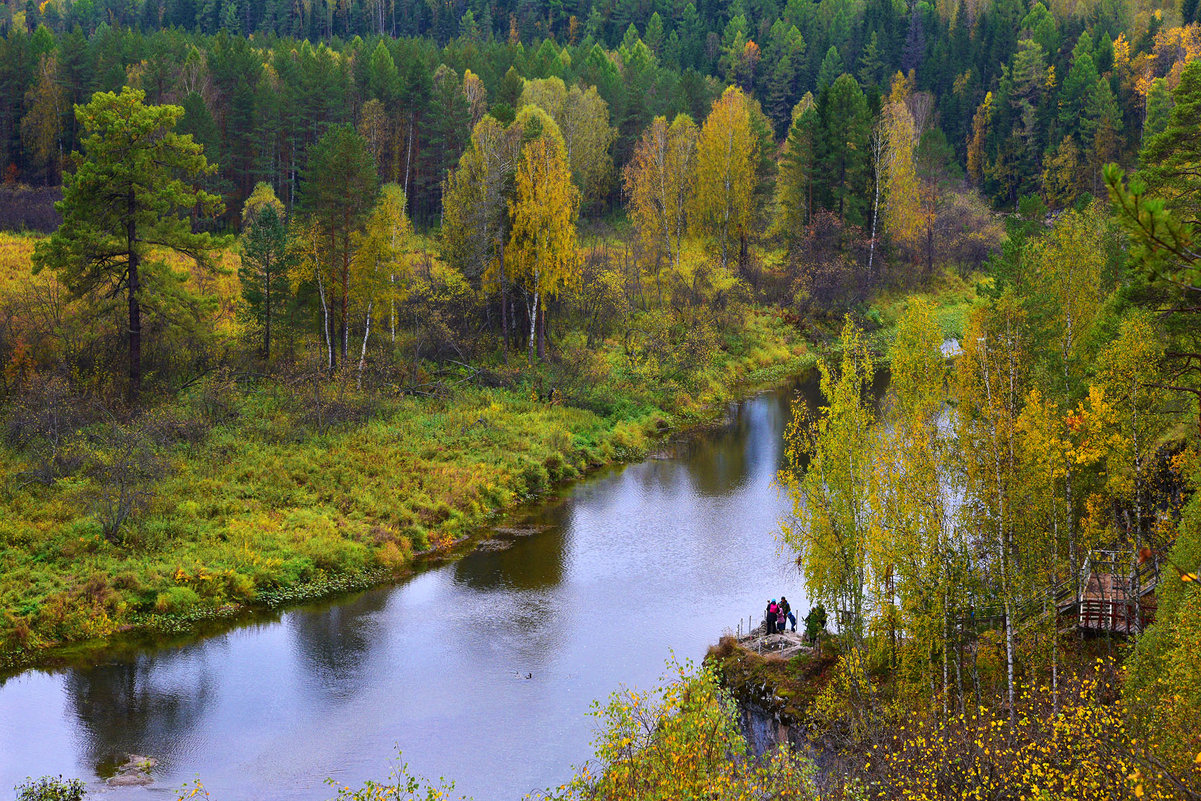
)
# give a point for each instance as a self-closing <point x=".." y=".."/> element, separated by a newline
<point x="1109" y="605"/>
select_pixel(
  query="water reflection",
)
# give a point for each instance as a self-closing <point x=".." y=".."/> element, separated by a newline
<point x="529" y="563"/>
<point x="626" y="568"/>
<point x="335" y="641"/>
<point x="150" y="704"/>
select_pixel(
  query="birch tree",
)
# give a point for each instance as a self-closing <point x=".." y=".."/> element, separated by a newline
<point x="379" y="266"/>
<point x="658" y="183"/>
<point x="542" y="251"/>
<point x="827" y="477"/>
<point x="990" y="386"/>
<point x="727" y="153"/>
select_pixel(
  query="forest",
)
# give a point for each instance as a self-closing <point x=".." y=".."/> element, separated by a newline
<point x="295" y="295"/>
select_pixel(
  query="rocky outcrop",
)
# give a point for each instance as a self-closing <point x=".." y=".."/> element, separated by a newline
<point x="133" y="772"/>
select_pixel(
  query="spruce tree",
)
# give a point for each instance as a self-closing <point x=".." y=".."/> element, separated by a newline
<point x="843" y="154"/>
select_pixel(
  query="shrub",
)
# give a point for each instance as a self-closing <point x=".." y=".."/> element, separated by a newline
<point x="49" y="788"/>
<point x="175" y="599"/>
<point x="123" y="464"/>
<point x="44" y="422"/>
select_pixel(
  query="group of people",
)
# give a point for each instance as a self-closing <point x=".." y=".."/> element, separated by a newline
<point x="779" y="616"/>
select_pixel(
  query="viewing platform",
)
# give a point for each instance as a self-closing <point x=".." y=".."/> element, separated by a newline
<point x="785" y="644"/>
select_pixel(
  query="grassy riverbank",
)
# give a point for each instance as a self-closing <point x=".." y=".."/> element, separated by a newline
<point x="269" y="495"/>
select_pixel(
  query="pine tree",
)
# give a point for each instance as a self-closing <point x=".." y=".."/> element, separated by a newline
<point x="830" y="69"/>
<point x="843" y="154"/>
<point x="871" y="64"/>
<point x="448" y="129"/>
<point x="1159" y="211"/>
<point x="798" y="167"/>
<point x="124" y="205"/>
<point x="1159" y="109"/>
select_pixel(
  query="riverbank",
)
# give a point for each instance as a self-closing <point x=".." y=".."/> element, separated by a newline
<point x="271" y="506"/>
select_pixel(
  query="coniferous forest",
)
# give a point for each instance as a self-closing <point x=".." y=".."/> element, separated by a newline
<point x="297" y="296"/>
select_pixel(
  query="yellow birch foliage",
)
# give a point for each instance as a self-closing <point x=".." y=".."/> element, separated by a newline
<point x="1127" y="370"/>
<point x="1082" y="751"/>
<point x="260" y="198"/>
<point x="727" y="153"/>
<point x="658" y="181"/>
<point x="991" y="384"/>
<point x="476" y="96"/>
<point x="588" y="137"/>
<point x="41" y="128"/>
<point x="682" y="741"/>
<point x="1065" y="268"/>
<point x="827" y="477"/>
<point x="543" y="251"/>
<point x="379" y="270"/>
<point x="582" y="116"/>
<point x="913" y="539"/>
<point x="903" y="217"/>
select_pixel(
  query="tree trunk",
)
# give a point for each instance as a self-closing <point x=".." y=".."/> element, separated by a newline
<point x="744" y="257"/>
<point x="533" y="309"/>
<point x="267" y="312"/>
<point x="345" y="290"/>
<point x="409" y="150"/>
<point x="1009" y="659"/>
<point x="871" y="247"/>
<point x="135" y="313"/>
<point x="929" y="250"/>
<point x="504" y="304"/>
<point x="325" y="323"/>
<point x="541" y="334"/>
<point x="363" y="351"/>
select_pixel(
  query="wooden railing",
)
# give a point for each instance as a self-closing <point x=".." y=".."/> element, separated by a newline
<point x="1116" y="616"/>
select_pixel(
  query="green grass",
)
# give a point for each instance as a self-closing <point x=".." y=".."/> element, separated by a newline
<point x="952" y="295"/>
<point x="264" y="510"/>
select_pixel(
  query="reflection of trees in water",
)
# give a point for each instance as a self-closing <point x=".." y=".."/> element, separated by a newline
<point x="722" y="462"/>
<point x="518" y="600"/>
<point x="148" y="705"/>
<point x="534" y="562"/>
<point x="334" y="641"/>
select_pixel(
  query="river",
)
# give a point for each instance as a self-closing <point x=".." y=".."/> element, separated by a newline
<point x="481" y="670"/>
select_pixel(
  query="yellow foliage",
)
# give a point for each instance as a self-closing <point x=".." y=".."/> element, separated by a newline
<point x="727" y="153"/>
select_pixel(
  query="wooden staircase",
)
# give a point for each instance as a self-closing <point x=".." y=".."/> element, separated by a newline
<point x="1105" y="602"/>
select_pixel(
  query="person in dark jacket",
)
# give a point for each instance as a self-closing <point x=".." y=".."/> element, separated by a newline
<point x="786" y="613"/>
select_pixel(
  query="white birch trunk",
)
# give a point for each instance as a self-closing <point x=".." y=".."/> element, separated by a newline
<point x="329" y="343"/>
<point x="363" y="351"/>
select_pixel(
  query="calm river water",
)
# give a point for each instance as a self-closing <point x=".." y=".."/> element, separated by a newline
<point x="634" y="565"/>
